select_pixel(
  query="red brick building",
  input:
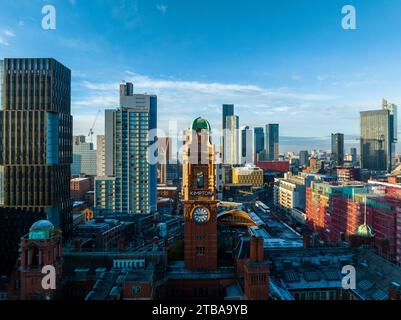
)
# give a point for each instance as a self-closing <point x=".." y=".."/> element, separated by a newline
<point x="79" y="187"/>
<point x="336" y="213"/>
<point x="274" y="166"/>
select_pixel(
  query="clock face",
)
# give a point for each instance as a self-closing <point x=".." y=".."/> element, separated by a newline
<point x="200" y="215"/>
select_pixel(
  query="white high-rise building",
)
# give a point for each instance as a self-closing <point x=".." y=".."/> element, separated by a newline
<point x="247" y="145"/>
<point x="232" y="151"/>
<point x="101" y="156"/>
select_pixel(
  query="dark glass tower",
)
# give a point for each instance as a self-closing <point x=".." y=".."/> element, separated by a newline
<point x="337" y="148"/>
<point x="378" y="137"/>
<point x="272" y="142"/>
<point x="259" y="138"/>
<point x="35" y="149"/>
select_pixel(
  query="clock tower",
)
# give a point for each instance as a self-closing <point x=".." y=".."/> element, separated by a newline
<point x="200" y="204"/>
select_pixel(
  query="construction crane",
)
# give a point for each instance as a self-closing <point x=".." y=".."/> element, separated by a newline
<point x="93" y="126"/>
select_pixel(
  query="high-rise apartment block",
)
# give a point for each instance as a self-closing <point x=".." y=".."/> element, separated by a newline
<point x="100" y="156"/>
<point x="127" y="152"/>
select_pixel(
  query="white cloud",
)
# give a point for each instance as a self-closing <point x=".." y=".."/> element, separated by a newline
<point x="8" y="33"/>
<point x="162" y="8"/>
<point x="296" y="77"/>
<point x="4" y="36"/>
<point x="183" y="100"/>
<point x="4" y="42"/>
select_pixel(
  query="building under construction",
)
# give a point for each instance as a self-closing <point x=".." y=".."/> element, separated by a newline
<point x="338" y="212"/>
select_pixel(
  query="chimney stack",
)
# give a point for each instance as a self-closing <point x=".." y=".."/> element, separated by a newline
<point x="256" y="249"/>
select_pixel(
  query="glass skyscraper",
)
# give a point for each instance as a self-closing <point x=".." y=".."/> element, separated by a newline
<point x="378" y="138"/>
<point x="337" y="148"/>
<point x="272" y="142"/>
<point x="259" y="138"/>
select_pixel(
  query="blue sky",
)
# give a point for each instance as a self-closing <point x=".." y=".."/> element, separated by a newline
<point x="281" y="61"/>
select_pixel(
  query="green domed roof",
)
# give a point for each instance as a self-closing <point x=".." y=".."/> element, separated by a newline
<point x="42" y="229"/>
<point x="365" y="231"/>
<point x="200" y="123"/>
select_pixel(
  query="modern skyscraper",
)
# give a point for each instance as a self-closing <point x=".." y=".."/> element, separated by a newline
<point x="35" y="149"/>
<point x="354" y="155"/>
<point x="126" y="134"/>
<point x="337" y="148"/>
<point x="303" y="158"/>
<point x="272" y="142"/>
<point x="100" y="156"/>
<point x="109" y="142"/>
<point x="228" y="110"/>
<point x="232" y="154"/>
<point x="392" y="108"/>
<point x="378" y="138"/>
<point x="259" y="138"/>
<point x="84" y="157"/>
<point x="247" y="152"/>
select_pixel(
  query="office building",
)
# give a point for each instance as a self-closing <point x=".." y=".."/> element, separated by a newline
<point x="337" y="149"/>
<point x="303" y="158"/>
<point x="128" y="152"/>
<point x="272" y="142"/>
<point x="354" y="155"/>
<point x="247" y="152"/>
<point x="228" y="110"/>
<point x="101" y="156"/>
<point x="249" y="174"/>
<point x="231" y="153"/>
<point x="290" y="191"/>
<point x="84" y="157"/>
<point x="259" y="146"/>
<point x="35" y="149"/>
<point x="378" y="138"/>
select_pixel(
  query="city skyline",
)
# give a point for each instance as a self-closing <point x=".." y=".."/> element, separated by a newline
<point x="303" y="65"/>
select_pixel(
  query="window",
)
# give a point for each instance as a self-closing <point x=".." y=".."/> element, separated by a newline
<point x="136" y="289"/>
<point x="200" y="251"/>
<point x="199" y="180"/>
